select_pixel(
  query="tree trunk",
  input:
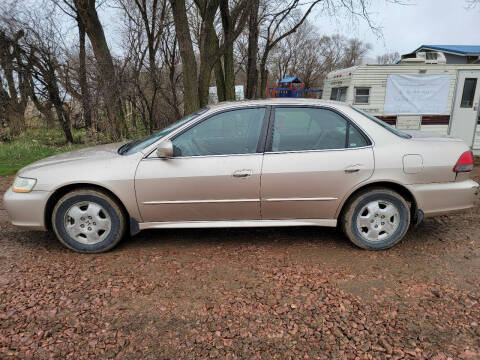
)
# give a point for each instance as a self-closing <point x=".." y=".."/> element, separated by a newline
<point x="252" y="73"/>
<point x="189" y="64"/>
<point x="15" y="120"/>
<point x="218" y="69"/>
<point x="47" y="113"/>
<point x="88" y="15"/>
<point x="263" y="76"/>
<point x="207" y="56"/>
<point x="220" y="81"/>
<point x="49" y="118"/>
<point x="66" y="125"/>
<point x="62" y="115"/>
<point x="87" y="113"/>
<point x="204" y="83"/>
<point x="229" y="73"/>
<point x="13" y="102"/>
<point x="228" y="56"/>
<point x="173" y="87"/>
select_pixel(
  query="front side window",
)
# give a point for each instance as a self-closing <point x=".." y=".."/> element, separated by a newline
<point x="227" y="133"/>
<point x="362" y="95"/>
<point x="138" y="145"/>
<point x="298" y="129"/>
<point x="339" y="94"/>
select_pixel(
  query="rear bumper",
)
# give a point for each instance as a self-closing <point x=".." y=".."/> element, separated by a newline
<point x="26" y="210"/>
<point x="440" y="198"/>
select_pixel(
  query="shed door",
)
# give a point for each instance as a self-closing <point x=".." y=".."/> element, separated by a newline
<point x="465" y="111"/>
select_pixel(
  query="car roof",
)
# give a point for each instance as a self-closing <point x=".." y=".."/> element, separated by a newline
<point x="277" y="101"/>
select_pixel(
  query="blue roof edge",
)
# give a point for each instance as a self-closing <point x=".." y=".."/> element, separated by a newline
<point x="458" y="49"/>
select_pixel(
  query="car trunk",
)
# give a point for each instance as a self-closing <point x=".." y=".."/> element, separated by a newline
<point x="449" y="149"/>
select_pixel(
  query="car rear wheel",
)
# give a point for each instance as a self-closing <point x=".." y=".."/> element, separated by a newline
<point x="88" y="221"/>
<point x="376" y="219"/>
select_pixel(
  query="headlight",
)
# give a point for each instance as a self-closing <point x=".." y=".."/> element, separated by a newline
<point x="23" y="185"/>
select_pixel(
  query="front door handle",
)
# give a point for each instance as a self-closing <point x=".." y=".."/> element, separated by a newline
<point x="352" y="169"/>
<point x="242" y="173"/>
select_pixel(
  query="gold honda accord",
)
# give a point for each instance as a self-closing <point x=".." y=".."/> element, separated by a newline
<point x="287" y="162"/>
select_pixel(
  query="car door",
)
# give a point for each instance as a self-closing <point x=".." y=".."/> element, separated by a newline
<point x="314" y="156"/>
<point x="213" y="175"/>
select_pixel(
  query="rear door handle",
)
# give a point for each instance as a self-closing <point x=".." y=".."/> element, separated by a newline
<point x="242" y="173"/>
<point x="352" y="169"/>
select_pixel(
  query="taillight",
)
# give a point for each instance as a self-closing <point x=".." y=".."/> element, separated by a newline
<point x="464" y="163"/>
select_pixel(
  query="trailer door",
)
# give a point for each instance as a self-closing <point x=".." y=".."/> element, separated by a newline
<point x="465" y="111"/>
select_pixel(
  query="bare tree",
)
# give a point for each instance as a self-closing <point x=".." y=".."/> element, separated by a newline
<point x="40" y="59"/>
<point x="388" y="58"/>
<point x="68" y="7"/>
<point x="278" y="19"/>
<point x="195" y="82"/>
<point x="14" y="81"/>
<point x="189" y="64"/>
<point x="471" y="4"/>
<point x="233" y="22"/>
<point x="281" y="24"/>
<point x="146" y="30"/>
<point x="252" y="71"/>
<point x="87" y="12"/>
<point x="355" y="51"/>
<point x="310" y="56"/>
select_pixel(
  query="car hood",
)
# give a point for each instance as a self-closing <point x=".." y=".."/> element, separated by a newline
<point x="107" y="151"/>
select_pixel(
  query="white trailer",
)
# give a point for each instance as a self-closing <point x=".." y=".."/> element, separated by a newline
<point x="418" y="94"/>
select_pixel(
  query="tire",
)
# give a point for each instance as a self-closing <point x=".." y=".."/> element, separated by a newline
<point x="363" y="222"/>
<point x="88" y="221"/>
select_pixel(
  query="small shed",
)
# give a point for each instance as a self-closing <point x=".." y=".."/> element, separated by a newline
<point x="290" y="80"/>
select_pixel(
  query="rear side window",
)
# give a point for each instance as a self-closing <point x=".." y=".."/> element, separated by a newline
<point x="302" y="129"/>
<point x="355" y="138"/>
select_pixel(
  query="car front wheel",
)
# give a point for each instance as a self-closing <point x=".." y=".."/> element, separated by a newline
<point x="376" y="219"/>
<point x="88" y="221"/>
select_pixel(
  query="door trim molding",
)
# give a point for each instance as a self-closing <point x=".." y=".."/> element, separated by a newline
<point x="301" y="199"/>
<point x="237" y="223"/>
<point x="198" y="201"/>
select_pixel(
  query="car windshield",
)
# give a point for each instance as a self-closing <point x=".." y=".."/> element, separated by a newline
<point x="140" y="144"/>
<point x="383" y="124"/>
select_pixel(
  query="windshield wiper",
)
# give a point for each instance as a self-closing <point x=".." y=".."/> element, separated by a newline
<point x="125" y="147"/>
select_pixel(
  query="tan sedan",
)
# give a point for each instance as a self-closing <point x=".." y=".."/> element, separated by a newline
<point x="290" y="162"/>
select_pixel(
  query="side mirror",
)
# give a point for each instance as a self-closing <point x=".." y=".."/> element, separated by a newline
<point x="165" y="149"/>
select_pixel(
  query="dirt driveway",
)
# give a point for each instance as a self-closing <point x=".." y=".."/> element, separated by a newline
<point x="285" y="293"/>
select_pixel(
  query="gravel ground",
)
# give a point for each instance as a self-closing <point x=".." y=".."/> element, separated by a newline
<point x="285" y="293"/>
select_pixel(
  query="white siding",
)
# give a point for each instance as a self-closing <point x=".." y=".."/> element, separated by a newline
<point x="441" y="129"/>
<point x="375" y="77"/>
<point x="476" y="141"/>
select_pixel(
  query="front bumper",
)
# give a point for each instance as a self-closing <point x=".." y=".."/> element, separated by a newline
<point x="440" y="198"/>
<point x="27" y="210"/>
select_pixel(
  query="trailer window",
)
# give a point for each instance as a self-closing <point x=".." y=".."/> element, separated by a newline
<point x="362" y="95"/>
<point x="339" y="94"/>
<point x="468" y="92"/>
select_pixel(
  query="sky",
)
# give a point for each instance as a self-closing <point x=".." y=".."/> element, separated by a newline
<point x="406" y="27"/>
